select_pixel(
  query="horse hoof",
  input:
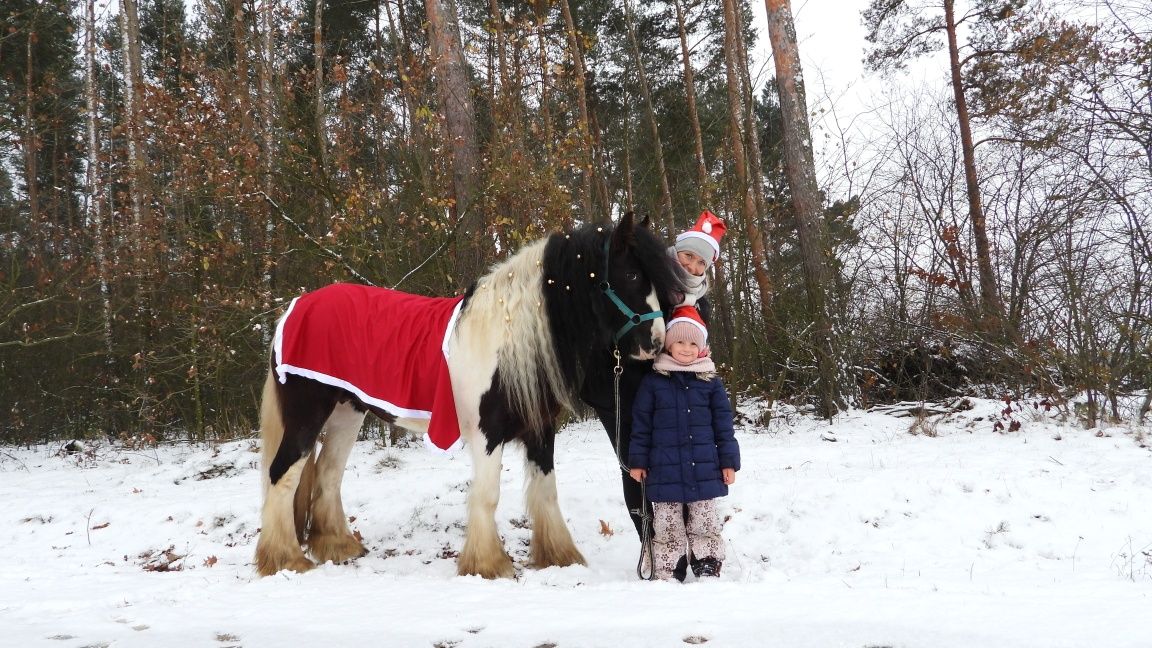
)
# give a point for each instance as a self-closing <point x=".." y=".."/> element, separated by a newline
<point x="557" y="558"/>
<point x="335" y="548"/>
<point x="267" y="565"/>
<point x="495" y="568"/>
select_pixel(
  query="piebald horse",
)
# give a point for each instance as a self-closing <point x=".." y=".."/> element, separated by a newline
<point x="520" y="342"/>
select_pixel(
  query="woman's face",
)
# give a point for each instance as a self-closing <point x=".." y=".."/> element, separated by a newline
<point x="692" y="263"/>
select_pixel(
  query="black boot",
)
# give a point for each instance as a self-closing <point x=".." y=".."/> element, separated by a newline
<point x="707" y="567"/>
<point x="681" y="569"/>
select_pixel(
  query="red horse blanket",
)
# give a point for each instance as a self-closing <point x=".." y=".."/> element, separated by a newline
<point x="387" y="347"/>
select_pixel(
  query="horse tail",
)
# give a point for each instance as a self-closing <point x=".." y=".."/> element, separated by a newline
<point x="302" y="502"/>
<point x="271" y="435"/>
<point x="271" y="428"/>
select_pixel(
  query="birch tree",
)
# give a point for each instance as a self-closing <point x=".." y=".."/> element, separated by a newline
<point x="133" y="99"/>
<point x="94" y="212"/>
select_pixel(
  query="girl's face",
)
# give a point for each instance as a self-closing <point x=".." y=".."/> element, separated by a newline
<point x="684" y="352"/>
<point x="691" y="262"/>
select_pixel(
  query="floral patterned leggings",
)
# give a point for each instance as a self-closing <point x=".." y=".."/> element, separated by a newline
<point x="673" y="537"/>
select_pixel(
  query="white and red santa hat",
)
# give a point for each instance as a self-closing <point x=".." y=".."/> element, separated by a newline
<point x="704" y="237"/>
<point x="686" y="325"/>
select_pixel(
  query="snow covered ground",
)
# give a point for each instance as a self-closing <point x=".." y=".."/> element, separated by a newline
<point x="1040" y="537"/>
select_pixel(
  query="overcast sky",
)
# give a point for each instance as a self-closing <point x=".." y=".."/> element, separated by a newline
<point x="831" y="42"/>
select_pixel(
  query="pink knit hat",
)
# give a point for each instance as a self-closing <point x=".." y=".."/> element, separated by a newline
<point x="686" y="325"/>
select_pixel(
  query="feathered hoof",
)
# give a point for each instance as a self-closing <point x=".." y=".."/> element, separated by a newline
<point x="557" y="557"/>
<point x="497" y="566"/>
<point x="268" y="562"/>
<point x="335" y="548"/>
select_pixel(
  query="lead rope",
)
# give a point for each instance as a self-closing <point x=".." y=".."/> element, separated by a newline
<point x="645" y="518"/>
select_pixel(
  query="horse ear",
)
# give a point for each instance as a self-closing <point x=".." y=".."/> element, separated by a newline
<point x="622" y="236"/>
<point x="645" y="221"/>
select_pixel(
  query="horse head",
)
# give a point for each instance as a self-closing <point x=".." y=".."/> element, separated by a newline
<point x="642" y="281"/>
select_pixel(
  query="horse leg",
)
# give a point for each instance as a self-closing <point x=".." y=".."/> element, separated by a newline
<point x="291" y="417"/>
<point x="552" y="543"/>
<point x="329" y="537"/>
<point x="483" y="553"/>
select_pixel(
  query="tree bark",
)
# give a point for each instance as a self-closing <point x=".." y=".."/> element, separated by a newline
<point x="318" y="81"/>
<point x="646" y="93"/>
<point x="704" y="187"/>
<point x="403" y="56"/>
<point x="740" y="161"/>
<point x="800" y="169"/>
<point x="541" y="8"/>
<point x="751" y="125"/>
<point x="268" y="116"/>
<point x="133" y="96"/>
<point x="92" y="177"/>
<point x="240" y="44"/>
<point x="502" y="56"/>
<point x="455" y="92"/>
<point x="31" y="139"/>
<point x="991" y="307"/>
<point x="585" y="125"/>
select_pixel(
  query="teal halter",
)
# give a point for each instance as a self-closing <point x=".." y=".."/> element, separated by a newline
<point x="634" y="319"/>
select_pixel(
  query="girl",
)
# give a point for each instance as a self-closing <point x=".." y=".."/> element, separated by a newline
<point x="684" y="449"/>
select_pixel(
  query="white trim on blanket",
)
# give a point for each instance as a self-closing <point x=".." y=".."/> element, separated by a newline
<point x="451" y="328"/>
<point x="278" y="341"/>
<point x="282" y="371"/>
<point x="456" y="446"/>
<point x="394" y="410"/>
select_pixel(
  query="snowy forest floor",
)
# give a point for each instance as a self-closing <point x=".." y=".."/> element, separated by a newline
<point x="878" y="538"/>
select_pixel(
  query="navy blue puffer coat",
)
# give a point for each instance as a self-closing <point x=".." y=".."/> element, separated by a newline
<point x="682" y="435"/>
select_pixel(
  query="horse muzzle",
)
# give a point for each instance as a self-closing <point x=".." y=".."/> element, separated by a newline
<point x="648" y="348"/>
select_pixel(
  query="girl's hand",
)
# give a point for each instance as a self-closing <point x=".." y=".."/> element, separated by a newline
<point x="729" y="475"/>
<point x="639" y="474"/>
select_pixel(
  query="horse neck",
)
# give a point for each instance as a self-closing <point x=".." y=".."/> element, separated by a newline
<point x="573" y="270"/>
<point x="509" y="307"/>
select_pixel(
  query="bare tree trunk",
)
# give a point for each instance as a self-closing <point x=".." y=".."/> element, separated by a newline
<point x="646" y="93"/>
<point x="629" y="197"/>
<point x="991" y="307"/>
<point x="318" y="81"/>
<point x="92" y="177"/>
<point x="800" y="169"/>
<point x="31" y="139"/>
<point x="507" y="93"/>
<point x="541" y="8"/>
<point x="143" y="252"/>
<point x="133" y="80"/>
<point x="755" y="165"/>
<point x="704" y="187"/>
<point x="599" y="163"/>
<point x="739" y="159"/>
<point x="268" y="115"/>
<point x="498" y="29"/>
<point x="240" y="43"/>
<point x="455" y="91"/>
<point x="585" y="125"/>
<point x="403" y="56"/>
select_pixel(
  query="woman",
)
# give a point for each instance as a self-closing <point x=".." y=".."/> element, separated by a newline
<point x="695" y="250"/>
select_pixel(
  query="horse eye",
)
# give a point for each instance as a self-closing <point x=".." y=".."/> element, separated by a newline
<point x="632" y="276"/>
